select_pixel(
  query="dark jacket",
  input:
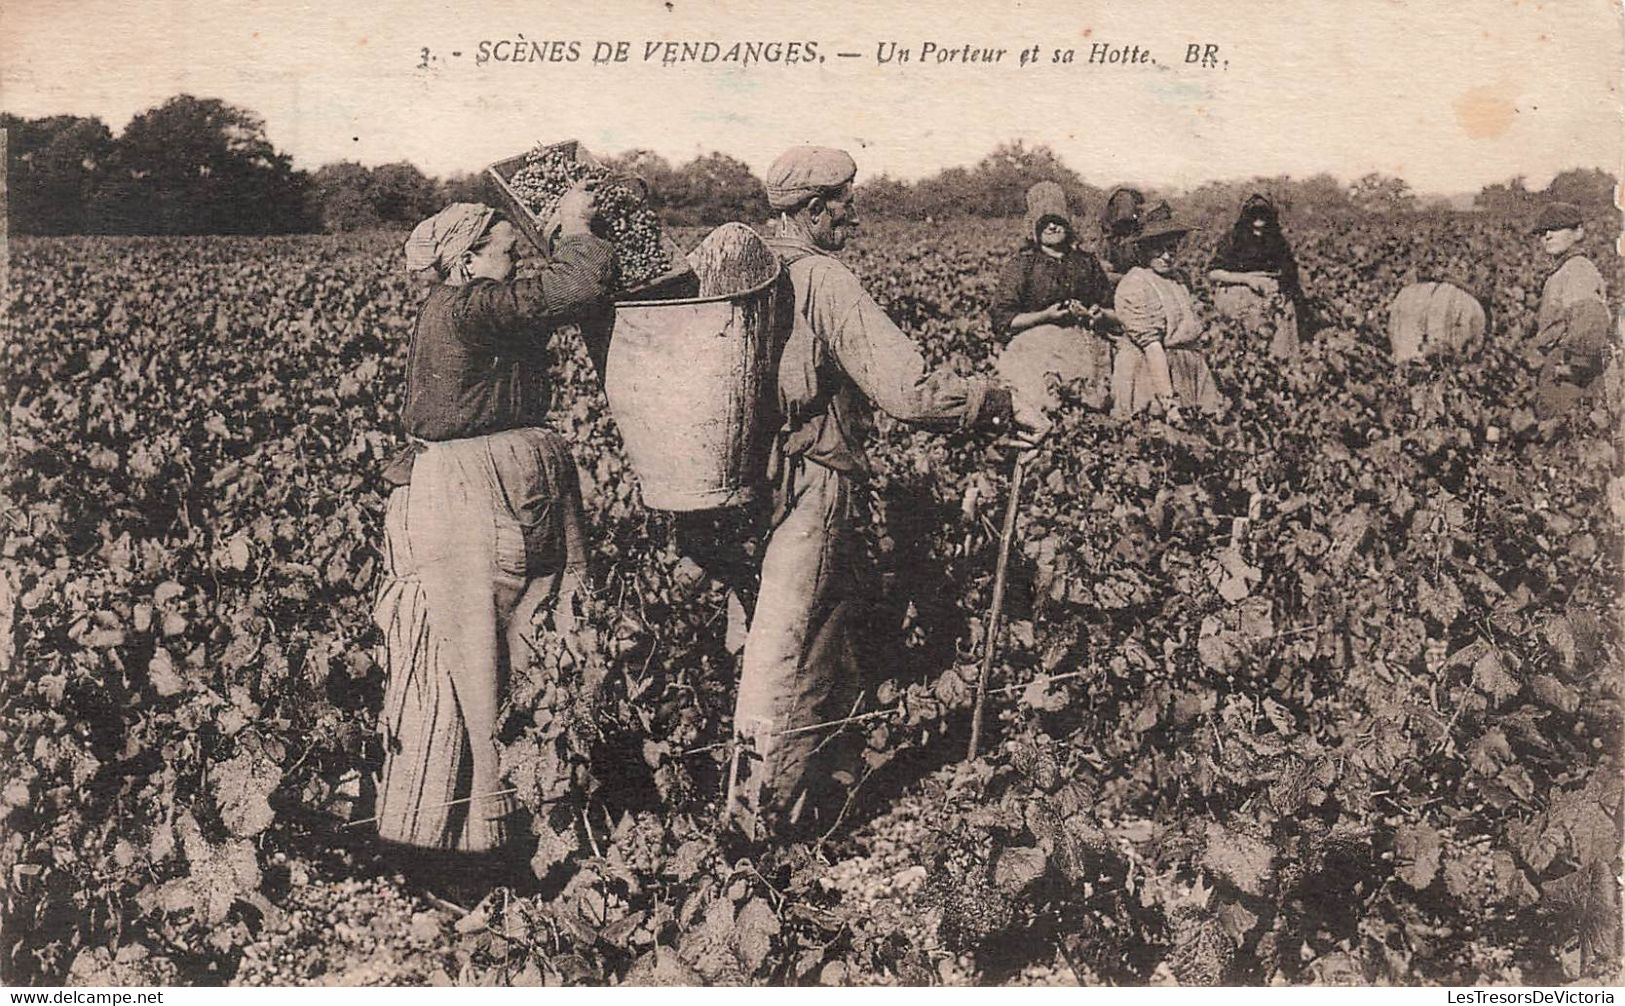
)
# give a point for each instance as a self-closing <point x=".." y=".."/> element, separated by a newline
<point x="1033" y="281"/>
<point x="478" y="361"/>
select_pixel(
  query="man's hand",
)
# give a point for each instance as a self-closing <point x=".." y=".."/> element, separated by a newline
<point x="577" y="208"/>
<point x="1056" y="313"/>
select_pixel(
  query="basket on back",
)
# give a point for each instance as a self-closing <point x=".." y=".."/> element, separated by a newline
<point x="690" y="381"/>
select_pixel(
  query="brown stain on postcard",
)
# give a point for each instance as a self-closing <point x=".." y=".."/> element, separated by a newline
<point x="1487" y="111"/>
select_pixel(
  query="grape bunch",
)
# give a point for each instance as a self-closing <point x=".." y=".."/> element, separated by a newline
<point x="626" y="220"/>
<point x="1202" y="951"/>
<point x="974" y="909"/>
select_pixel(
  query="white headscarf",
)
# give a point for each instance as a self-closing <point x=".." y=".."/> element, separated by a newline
<point x="439" y="241"/>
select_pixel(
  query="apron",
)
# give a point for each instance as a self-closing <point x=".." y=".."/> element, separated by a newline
<point x="474" y="546"/>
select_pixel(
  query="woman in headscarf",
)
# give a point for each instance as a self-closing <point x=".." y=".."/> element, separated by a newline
<point x="1051" y="293"/>
<point x="1157" y="363"/>
<point x="1119" y="222"/>
<point x="1255" y="276"/>
<point x="484" y="526"/>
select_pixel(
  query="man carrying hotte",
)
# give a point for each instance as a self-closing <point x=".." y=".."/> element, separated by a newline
<point x="843" y="359"/>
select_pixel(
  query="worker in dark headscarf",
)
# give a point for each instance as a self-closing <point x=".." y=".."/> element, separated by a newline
<point x="1121" y="217"/>
<point x="1255" y="276"/>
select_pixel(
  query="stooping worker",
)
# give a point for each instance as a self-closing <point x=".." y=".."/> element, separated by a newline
<point x="1156" y="361"/>
<point x="484" y="527"/>
<point x="1443" y="309"/>
<point x="1051" y="294"/>
<point x="843" y="358"/>
<point x="1573" y="329"/>
<point x="1255" y="276"/>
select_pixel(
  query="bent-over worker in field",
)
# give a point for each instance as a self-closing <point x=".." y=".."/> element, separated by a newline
<point x="1574" y="329"/>
<point x="484" y="526"/>
<point x="1444" y="309"/>
<point x="1049" y="297"/>
<point x="844" y="357"/>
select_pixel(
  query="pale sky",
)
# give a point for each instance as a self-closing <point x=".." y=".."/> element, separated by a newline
<point x="1449" y="95"/>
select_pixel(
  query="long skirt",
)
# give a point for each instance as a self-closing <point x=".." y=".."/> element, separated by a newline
<point x="800" y="664"/>
<point x="1270" y="316"/>
<point x="474" y="547"/>
<point x="1069" y="355"/>
<point x="1131" y="378"/>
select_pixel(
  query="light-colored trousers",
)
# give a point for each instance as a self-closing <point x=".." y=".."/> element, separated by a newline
<point x="800" y="664"/>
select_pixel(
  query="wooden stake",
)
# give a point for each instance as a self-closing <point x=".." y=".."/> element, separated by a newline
<point x="990" y="642"/>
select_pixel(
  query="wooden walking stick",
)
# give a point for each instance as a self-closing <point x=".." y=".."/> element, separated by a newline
<point x="990" y="644"/>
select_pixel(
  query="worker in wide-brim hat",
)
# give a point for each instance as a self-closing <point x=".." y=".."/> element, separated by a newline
<point x="843" y="359"/>
<point x="1157" y="362"/>
<point x="1573" y="329"/>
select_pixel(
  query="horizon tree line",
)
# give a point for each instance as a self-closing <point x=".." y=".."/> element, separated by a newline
<point x="202" y="166"/>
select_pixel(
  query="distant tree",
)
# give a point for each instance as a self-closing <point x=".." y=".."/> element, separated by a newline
<point x="1378" y="193"/>
<point x="995" y="187"/>
<point x="400" y="194"/>
<point x="665" y="187"/>
<point x="885" y="196"/>
<point x="341" y="192"/>
<point x="948" y="193"/>
<point x="352" y="196"/>
<point x="1512" y="196"/>
<point x="52" y="168"/>
<point x="1000" y="181"/>
<point x="1591" y="188"/>
<point x="463" y="188"/>
<point x="714" y="189"/>
<point x="1321" y="194"/>
<point x="201" y="166"/>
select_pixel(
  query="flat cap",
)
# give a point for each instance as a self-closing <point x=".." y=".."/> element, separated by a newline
<point x="1558" y="217"/>
<point x="803" y="172"/>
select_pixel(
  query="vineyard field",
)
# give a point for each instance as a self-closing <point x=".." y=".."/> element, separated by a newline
<point x="1320" y="687"/>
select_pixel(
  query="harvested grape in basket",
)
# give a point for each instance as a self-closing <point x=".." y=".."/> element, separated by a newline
<point x="732" y="259"/>
<point x="628" y="222"/>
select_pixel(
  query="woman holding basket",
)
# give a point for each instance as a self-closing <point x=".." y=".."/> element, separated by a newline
<point x="484" y="526"/>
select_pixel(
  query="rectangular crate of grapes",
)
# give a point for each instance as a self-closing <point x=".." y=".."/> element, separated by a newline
<point x="673" y="282"/>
